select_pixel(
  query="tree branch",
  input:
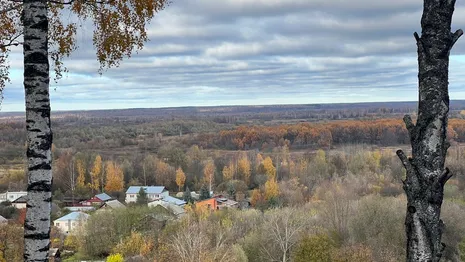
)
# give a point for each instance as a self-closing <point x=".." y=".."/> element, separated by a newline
<point x="420" y="44"/>
<point x="12" y="42"/>
<point x="410" y="126"/>
<point x="455" y="37"/>
<point x="446" y="175"/>
<point x="404" y="159"/>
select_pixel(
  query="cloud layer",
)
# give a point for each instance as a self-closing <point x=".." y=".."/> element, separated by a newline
<point x="229" y="52"/>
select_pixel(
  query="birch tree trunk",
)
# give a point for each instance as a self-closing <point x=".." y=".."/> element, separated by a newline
<point x="426" y="175"/>
<point x="39" y="134"/>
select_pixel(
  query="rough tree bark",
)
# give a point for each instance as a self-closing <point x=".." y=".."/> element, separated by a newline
<point x="426" y="175"/>
<point x="39" y="134"/>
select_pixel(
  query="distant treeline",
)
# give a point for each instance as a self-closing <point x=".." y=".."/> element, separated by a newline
<point x="149" y="135"/>
<point x="383" y="132"/>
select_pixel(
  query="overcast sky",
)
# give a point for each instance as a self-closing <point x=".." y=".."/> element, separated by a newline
<point x="245" y="52"/>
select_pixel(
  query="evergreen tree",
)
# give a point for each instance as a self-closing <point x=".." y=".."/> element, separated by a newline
<point x="204" y="193"/>
<point x="231" y="190"/>
<point x="142" y="198"/>
<point x="187" y="196"/>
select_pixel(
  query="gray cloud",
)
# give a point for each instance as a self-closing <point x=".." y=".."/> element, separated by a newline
<point x="208" y="52"/>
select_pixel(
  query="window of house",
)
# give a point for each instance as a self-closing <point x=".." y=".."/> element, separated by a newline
<point x="57" y="224"/>
<point x="131" y="196"/>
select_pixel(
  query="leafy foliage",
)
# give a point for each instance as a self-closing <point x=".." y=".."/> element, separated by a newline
<point x="204" y="193"/>
<point x="142" y="198"/>
<point x="115" y="258"/>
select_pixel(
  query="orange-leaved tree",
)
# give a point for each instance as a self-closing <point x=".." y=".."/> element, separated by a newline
<point x="209" y="173"/>
<point x="180" y="178"/>
<point x="244" y="169"/>
<point x="96" y="173"/>
<point x="115" y="177"/>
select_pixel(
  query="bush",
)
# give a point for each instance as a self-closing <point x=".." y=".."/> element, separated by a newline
<point x="357" y="253"/>
<point x="378" y="221"/>
<point x="316" y="248"/>
<point x="115" y="258"/>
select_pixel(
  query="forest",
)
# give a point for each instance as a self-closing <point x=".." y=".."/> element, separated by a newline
<point x="325" y="190"/>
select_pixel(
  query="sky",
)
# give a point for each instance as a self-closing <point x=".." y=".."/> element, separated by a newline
<point x="256" y="52"/>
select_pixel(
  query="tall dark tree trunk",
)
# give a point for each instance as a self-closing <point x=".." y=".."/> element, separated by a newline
<point x="39" y="134"/>
<point x="426" y="175"/>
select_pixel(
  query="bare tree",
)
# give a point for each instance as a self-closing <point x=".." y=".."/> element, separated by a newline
<point x="282" y="229"/>
<point x="426" y="175"/>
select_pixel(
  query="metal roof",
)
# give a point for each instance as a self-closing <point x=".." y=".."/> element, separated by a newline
<point x="21" y="199"/>
<point x="174" y="200"/>
<point x="73" y="216"/>
<point x="115" y="204"/>
<point x="148" y="189"/>
<point x="103" y="196"/>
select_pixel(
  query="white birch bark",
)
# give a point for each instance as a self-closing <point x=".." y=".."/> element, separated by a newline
<point x="39" y="134"/>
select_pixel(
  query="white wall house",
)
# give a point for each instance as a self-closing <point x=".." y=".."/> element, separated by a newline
<point x="11" y="196"/>
<point x="20" y="203"/>
<point x="153" y="192"/>
<point x="71" y="221"/>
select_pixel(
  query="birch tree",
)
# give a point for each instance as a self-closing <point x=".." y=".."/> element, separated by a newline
<point x="39" y="133"/>
<point x="426" y="174"/>
<point x="45" y="35"/>
<point x="95" y="173"/>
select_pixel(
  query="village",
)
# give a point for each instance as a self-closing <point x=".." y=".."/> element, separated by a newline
<point x="75" y="212"/>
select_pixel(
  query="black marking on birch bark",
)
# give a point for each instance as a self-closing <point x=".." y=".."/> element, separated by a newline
<point x="35" y="58"/>
<point x="32" y="70"/>
<point x="45" y="112"/>
<point x="41" y="25"/>
<point x="40" y="186"/>
<point x="47" y="138"/>
<point x="45" y="145"/>
<point x="44" y="249"/>
<point x="41" y="166"/>
<point x="37" y="236"/>
<point x="47" y="200"/>
<point x="28" y="226"/>
<point x="31" y="153"/>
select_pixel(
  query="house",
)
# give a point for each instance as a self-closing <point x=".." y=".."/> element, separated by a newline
<point x="97" y="200"/>
<point x="173" y="200"/>
<point x="20" y="202"/>
<point x="81" y="208"/>
<point x="224" y="202"/>
<point x="156" y="220"/>
<point x="12" y="196"/>
<point x="112" y="204"/>
<point x="174" y="209"/>
<point x="72" y="201"/>
<point x="153" y="193"/>
<point x="3" y="220"/>
<point x="210" y="203"/>
<point x="71" y="221"/>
